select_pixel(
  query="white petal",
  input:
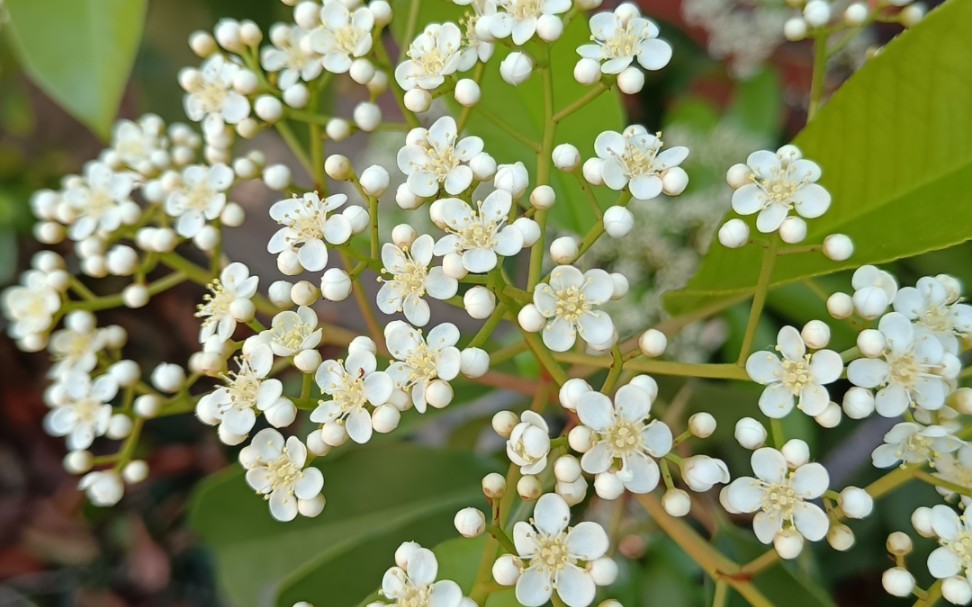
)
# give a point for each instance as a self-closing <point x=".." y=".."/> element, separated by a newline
<point x="769" y="465"/>
<point x="764" y="367"/>
<point x="776" y="401"/>
<point x="551" y="514"/>
<point x="810" y="481"/>
<point x="575" y="586"/>
<point x="811" y="521"/>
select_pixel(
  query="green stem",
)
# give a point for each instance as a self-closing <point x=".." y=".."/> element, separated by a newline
<point x="488" y="327"/>
<point x="721" y="596"/>
<point x="759" y="299"/>
<point x="507" y="128"/>
<point x="292" y="142"/>
<point x="545" y="358"/>
<point x="544" y="161"/>
<point x="891" y="481"/>
<point x="660" y="367"/>
<point x="819" y="75"/>
<point x="612" y="378"/>
<point x="412" y="24"/>
<point x="586" y="98"/>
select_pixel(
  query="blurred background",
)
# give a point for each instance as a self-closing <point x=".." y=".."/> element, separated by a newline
<point x="732" y="87"/>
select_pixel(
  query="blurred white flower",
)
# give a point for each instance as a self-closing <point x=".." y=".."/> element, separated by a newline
<point x="634" y="159"/>
<point x="199" y="197"/>
<point x="210" y="97"/>
<point x="479" y="235"/>
<point x="85" y="412"/>
<point x="432" y="56"/>
<point x="435" y="157"/>
<point x="276" y="469"/>
<point x="911" y="443"/>
<point x="935" y="309"/>
<point x="218" y="322"/>
<point x="623" y="36"/>
<point x="342" y="36"/>
<point x="780" y="182"/>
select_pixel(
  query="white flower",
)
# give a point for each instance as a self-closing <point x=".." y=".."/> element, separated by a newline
<point x="480" y="234"/>
<point x="519" y="17"/>
<point x="421" y="361"/>
<point x="306" y="227"/>
<point x="103" y="487"/>
<point x="291" y="332"/>
<point x="552" y="551"/>
<point x="778" y="497"/>
<point x="625" y="439"/>
<point x="780" y="183"/>
<point x="799" y="376"/>
<point x="701" y="472"/>
<point x="199" y="197"/>
<point x="955" y="468"/>
<point x="210" y="98"/>
<point x="85" y="413"/>
<point x="232" y="406"/>
<point x="342" y="36"/>
<point x="954" y="532"/>
<point x="474" y="47"/>
<point x="352" y="385"/>
<point x="569" y="304"/>
<point x="433" y="158"/>
<point x="634" y="159"/>
<point x="74" y="351"/>
<point x="97" y="203"/>
<point x="529" y="443"/>
<point x="289" y="57"/>
<point x="234" y="283"/>
<point x="30" y="306"/>
<point x="411" y="279"/>
<point x="141" y="146"/>
<point x="911" y="443"/>
<point x="277" y="471"/>
<point x="414" y="585"/>
<point x="432" y="56"/>
<point x="908" y="372"/>
<point x="934" y="308"/>
<point x="874" y="290"/>
<point x="623" y="36"/>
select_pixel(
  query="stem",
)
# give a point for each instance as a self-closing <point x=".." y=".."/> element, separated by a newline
<point x="298" y="150"/>
<point x="488" y="327"/>
<point x="412" y="24"/>
<point x="761" y="562"/>
<point x="507" y="128"/>
<point x="721" y="595"/>
<point x="616" y="365"/>
<point x="500" y="536"/>
<point x="359" y="296"/>
<point x="819" y="75"/>
<point x="776" y="428"/>
<point x="589" y="96"/>
<point x="480" y="589"/>
<point x="543" y="168"/>
<point x="545" y="358"/>
<point x="891" y="481"/>
<point x="660" y="367"/>
<point x="759" y="299"/>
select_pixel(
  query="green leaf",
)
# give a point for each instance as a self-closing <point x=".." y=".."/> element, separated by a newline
<point x="522" y="108"/>
<point x="377" y="498"/>
<point x="895" y="146"/>
<point x="80" y="52"/>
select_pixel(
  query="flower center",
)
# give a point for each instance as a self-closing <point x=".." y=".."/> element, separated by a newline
<point x="440" y="161"/>
<point x="938" y="318"/>
<point x="211" y="96"/>
<point x="904" y="369"/>
<point x="243" y="388"/>
<point x="282" y="473"/>
<point x="306" y="222"/>
<point x="638" y="157"/>
<point x="199" y="196"/>
<point x="99" y="203"/>
<point x="291" y="335"/>
<point x="423" y="362"/>
<point x="415" y="596"/>
<point x="916" y="446"/>
<point x="624" y="43"/>
<point x="347" y="37"/>
<point x="780" y="189"/>
<point x="780" y="499"/>
<point x="216" y="303"/>
<point x="962" y="547"/>
<point x="87" y="411"/>
<point x="429" y="62"/>
<point x="350" y="395"/>
<point x="625" y="438"/>
<point x="571" y="304"/>
<point x="412" y="278"/>
<point x="522" y="9"/>
<point x="796" y="374"/>
<point x="552" y="554"/>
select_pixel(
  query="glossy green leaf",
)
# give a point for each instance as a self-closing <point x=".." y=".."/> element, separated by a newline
<point x="522" y="108"/>
<point x="80" y="52"/>
<point x="899" y="187"/>
<point x="377" y="497"/>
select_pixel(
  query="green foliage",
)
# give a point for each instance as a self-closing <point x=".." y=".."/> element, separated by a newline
<point x="80" y="52"/>
<point x="378" y="497"/>
<point x="522" y="108"/>
<point x="899" y="189"/>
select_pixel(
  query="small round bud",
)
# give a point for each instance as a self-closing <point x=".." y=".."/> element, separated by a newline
<point x="403" y="235"/>
<point x="381" y="11"/>
<point x="78" y="462"/>
<point x="840" y="305"/>
<point x="311" y="508"/>
<point x="119" y="426"/>
<point x="631" y="80"/>
<point x="674" y="181"/>
<point x="135" y="295"/>
<point x="796" y="452"/>
<point x="250" y="33"/>
<point x="793" y="230"/>
<point x="750" y="434"/>
<point x="378" y="83"/>
<point x="677" y="502"/>
<point x="362" y="71"/>
<point x="367" y="116"/>
<point x="506" y="569"/>
<point x="335" y="285"/>
<point x="816" y="334"/>
<point x="838" y="247"/>
<point x="467" y="92"/>
<point x="479" y="302"/>
<point x="961" y="400"/>
<point x="202" y="43"/>
<point x="856" y="502"/>
<point x="566" y="157"/>
<point x="899" y="543"/>
<point x="121" y="260"/>
<point x="593" y="171"/>
<point x="739" y="175"/>
<point x="338" y="167"/>
<point x="817" y="13"/>
<point x="871" y="343"/>
<point x="439" y="393"/>
<point x="337" y="129"/>
<point x="618" y="221"/>
<point x="788" y="544"/>
<point x="125" y="372"/>
<point x="573" y="493"/>
<point x="529" y="229"/>
<point x="307" y="361"/>
<point x="571" y="392"/>
<point x="358" y="217"/>
<point x="385" y="418"/>
<point x="228" y="35"/>
<point x="734" y="233"/>
<point x="858" y="403"/>
<point x="542" y="197"/>
<point x="604" y="571"/>
<point x="549" y="27"/>
<point x="608" y="486"/>
<point x="702" y="425"/>
<point x="276" y="176"/>
<point x="232" y="215"/>
<point x="529" y="487"/>
<point x="564" y="249"/>
<point x="620" y="285"/>
<point x="841" y="538"/>
<point x="135" y="471"/>
<point x="516" y="68"/>
<point x="404" y="553"/>
<point x="147" y="406"/>
<point x="483" y="166"/>
<point x="653" y="343"/>
<point x="279" y="293"/>
<point x="363" y="343"/>
<point x="453" y="268"/>
<point x="503" y="423"/>
<point x="921" y="520"/>
<point x="855" y="14"/>
<point x="207" y="238"/>
<point x="795" y="29"/>
<point x="297" y="96"/>
<point x="374" y="180"/>
<point x="587" y="71"/>
<point x="909" y="16"/>
<point x="898" y="581"/>
<point x="530" y="318"/>
<point x="494" y="485"/>
<point x="473" y="362"/>
<point x="470" y="522"/>
<point x="567" y="469"/>
<point x="580" y="439"/>
<point x="334" y="434"/>
<point x="830" y="417"/>
<point x="268" y="108"/>
<point x="417" y="100"/>
<point x="242" y="310"/>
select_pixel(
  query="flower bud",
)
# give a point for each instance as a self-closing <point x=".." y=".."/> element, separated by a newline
<point x="793" y="230"/>
<point x="453" y="268"/>
<point x="788" y="544"/>
<point x="467" y="92"/>
<point x="838" y="247"/>
<point x="297" y="96"/>
<point x="795" y="29"/>
<point x="334" y="434"/>
<point x="653" y="343"/>
<point x="796" y="452"/>
<point x="227" y="33"/>
<point x="168" y="377"/>
<point x="674" y="181"/>
<point x="403" y="235"/>
<point x="830" y="417"/>
<point x="702" y="425"/>
<point x="734" y="233"/>
<point x="840" y="305"/>
<point x="573" y="493"/>
<point x="619" y="284"/>
<point x="381" y="11"/>
<point x="385" y="418"/>
<point x="135" y="471"/>
<point x="367" y="116"/>
<point x="871" y="343"/>
<point x="268" y="108"/>
<point x="567" y="469"/>
<point x="542" y="197"/>
<point x="571" y="392"/>
<point x="483" y="166"/>
<point x="549" y="27"/>
<point x="899" y="543"/>
<point x="361" y="71"/>
<point x="921" y="520"/>
<point x="529" y="443"/>
<point x="337" y="129"/>
<point x="513" y="178"/>
<point x="121" y="260"/>
<point x="593" y="171"/>
<point x="739" y="175"/>
<point x="817" y="13"/>
<point x="506" y="569"/>
<point x="631" y="80"/>
<point x="587" y="71"/>
<point x="202" y="44"/>
<point x="529" y="487"/>
<point x="374" y="180"/>
<point x="750" y="434"/>
<point x="404" y="553"/>
<point x="307" y="361"/>
<point x="858" y="403"/>
<point x="470" y="522"/>
<point x="417" y="100"/>
<point x="604" y="571"/>
<point x="276" y="176"/>
<point x="676" y="502"/>
<point x="898" y="581"/>
<point x="503" y="423"/>
<point x="335" y="285"/>
<point x="516" y="68"/>
<point x="566" y="157"/>
<point x="855" y="14"/>
<point x="580" y="439"/>
<point x="494" y="485"/>
<point x="701" y="472"/>
<point x="530" y="318"/>
<point x="816" y="334"/>
<point x="856" y="502"/>
<point x="147" y="406"/>
<point x="119" y="426"/>
<point x="78" y="462"/>
<point x="564" y="250"/>
<point x="608" y="486"/>
<point x="103" y="487"/>
<point x="870" y="302"/>
<point x="135" y="295"/>
<point x="910" y="16"/>
<point x="338" y="167"/>
<point x="618" y="221"/>
<point x="529" y="229"/>
<point x="439" y="393"/>
<point x="473" y="362"/>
